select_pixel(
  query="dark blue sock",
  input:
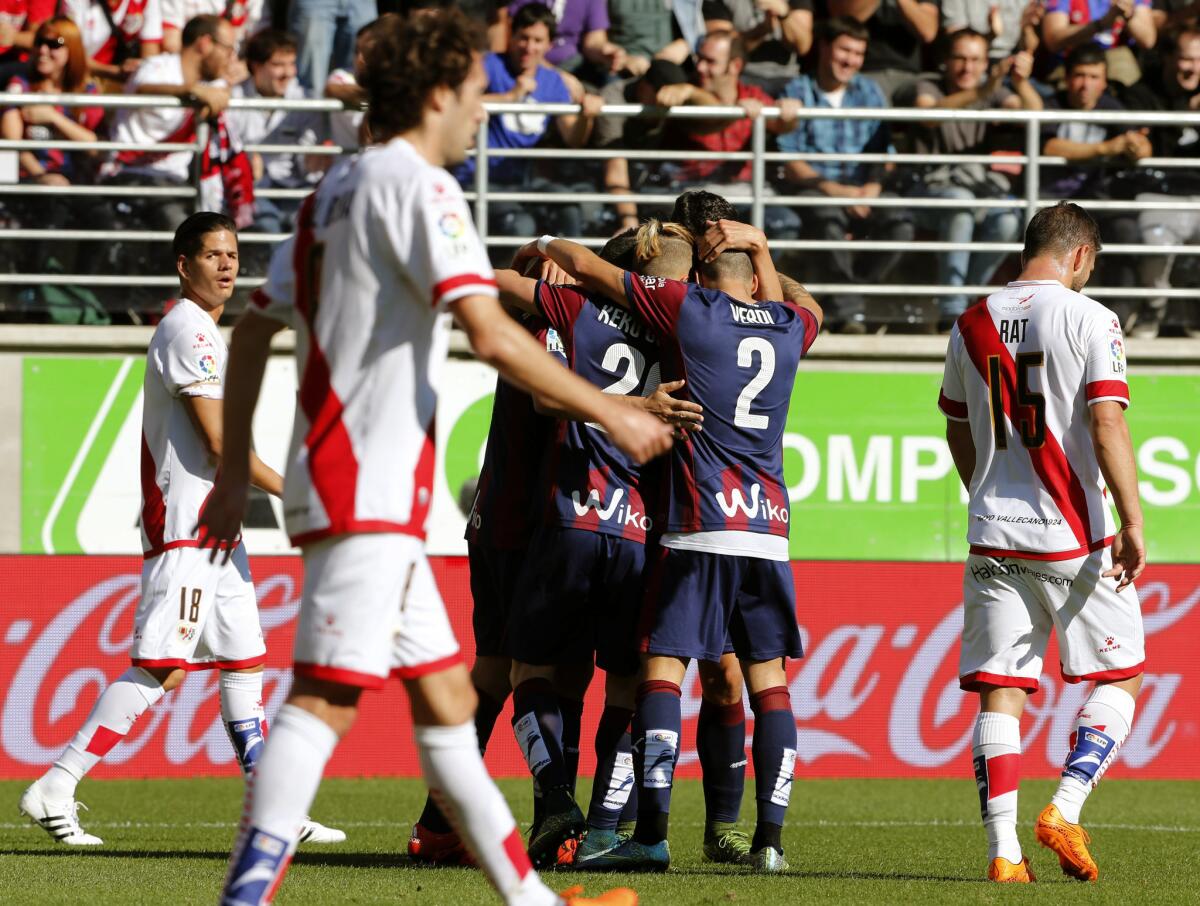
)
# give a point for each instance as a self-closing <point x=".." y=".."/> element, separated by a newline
<point x="774" y="754"/>
<point x="721" y="745"/>
<point x="485" y="720"/>
<point x="572" y="719"/>
<point x="657" y="724"/>
<point x="537" y="724"/>
<point x="614" y="769"/>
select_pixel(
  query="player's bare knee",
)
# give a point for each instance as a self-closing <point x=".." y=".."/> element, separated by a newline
<point x="491" y="675"/>
<point x="664" y="668"/>
<point x="1003" y="699"/>
<point x="721" y="682"/>
<point x="442" y="699"/>
<point x="521" y="673"/>
<point x="761" y="675"/>
<point x="572" y="680"/>
<point x="620" y="691"/>
<point x="1132" y="685"/>
<point x="167" y="677"/>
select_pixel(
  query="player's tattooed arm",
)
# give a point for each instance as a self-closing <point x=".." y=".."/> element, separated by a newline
<point x="1114" y="452"/>
<point x="794" y="292"/>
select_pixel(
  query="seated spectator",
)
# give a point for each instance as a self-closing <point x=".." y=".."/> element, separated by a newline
<point x="58" y="66"/>
<point x="838" y="82"/>
<point x="643" y="29"/>
<point x="898" y="31"/>
<point x="665" y="84"/>
<point x="190" y="75"/>
<point x="968" y="85"/>
<point x="1086" y="145"/>
<point x="1175" y="85"/>
<point x="719" y="63"/>
<point x="326" y="31"/>
<point x="246" y="17"/>
<point x="777" y="34"/>
<point x="1009" y="26"/>
<point x="581" y="42"/>
<point x="1115" y="25"/>
<point x="117" y="40"/>
<point x="522" y="76"/>
<point x="271" y="56"/>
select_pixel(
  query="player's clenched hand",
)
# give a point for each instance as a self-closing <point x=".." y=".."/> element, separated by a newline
<point x="220" y="521"/>
<point x="638" y="433"/>
<point x="1128" y="556"/>
<point x="682" y="415"/>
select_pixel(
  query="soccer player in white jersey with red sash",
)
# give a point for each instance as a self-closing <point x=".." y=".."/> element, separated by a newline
<point x="1035" y="390"/>
<point x="383" y="256"/>
<point x="193" y="614"/>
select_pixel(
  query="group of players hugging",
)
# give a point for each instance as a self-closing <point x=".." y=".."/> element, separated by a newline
<point x="578" y="556"/>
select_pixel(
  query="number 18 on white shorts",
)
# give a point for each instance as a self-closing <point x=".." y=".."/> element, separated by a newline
<point x="196" y="614"/>
<point x="1011" y="606"/>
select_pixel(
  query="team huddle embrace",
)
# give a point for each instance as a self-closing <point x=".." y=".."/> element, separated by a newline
<point x="631" y="513"/>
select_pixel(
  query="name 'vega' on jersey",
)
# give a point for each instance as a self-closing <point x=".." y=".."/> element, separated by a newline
<point x="739" y="361"/>
<point x="591" y="483"/>
<point x="1023" y="368"/>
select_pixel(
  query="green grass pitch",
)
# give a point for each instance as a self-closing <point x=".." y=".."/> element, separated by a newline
<point x="848" y="841"/>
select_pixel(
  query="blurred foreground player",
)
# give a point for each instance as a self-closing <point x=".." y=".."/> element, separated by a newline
<point x="1034" y="393"/>
<point x="723" y="574"/>
<point x="384" y="252"/>
<point x="193" y="614"/>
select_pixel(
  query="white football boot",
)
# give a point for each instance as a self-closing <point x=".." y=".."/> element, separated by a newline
<point x="315" y="832"/>
<point x="59" y="819"/>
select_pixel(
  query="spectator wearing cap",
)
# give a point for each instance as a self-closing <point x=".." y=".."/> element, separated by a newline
<point x="777" y="34"/>
<point x="898" y="32"/>
<point x="521" y="76"/>
<point x="838" y="82"/>
<point x="665" y="84"/>
<point x="271" y="56"/>
<point x="968" y="84"/>
<point x="1114" y="25"/>
<point x="1087" y="145"/>
<point x="1172" y="86"/>
<point x="720" y="59"/>
<point x="581" y="43"/>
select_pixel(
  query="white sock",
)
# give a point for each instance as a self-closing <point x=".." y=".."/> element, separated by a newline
<point x="996" y="748"/>
<point x="111" y="719"/>
<point x="1101" y="727"/>
<point x="461" y="787"/>
<point x="243" y="715"/>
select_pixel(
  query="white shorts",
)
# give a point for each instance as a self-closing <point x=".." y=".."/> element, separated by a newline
<point x="197" y="615"/>
<point x="1011" y="605"/>
<point x="371" y="609"/>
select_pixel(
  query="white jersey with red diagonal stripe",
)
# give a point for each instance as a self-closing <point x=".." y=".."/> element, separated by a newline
<point x="186" y="358"/>
<point x="1023" y="368"/>
<point x="382" y="247"/>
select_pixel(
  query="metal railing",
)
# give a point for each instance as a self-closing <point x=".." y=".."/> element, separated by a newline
<point x="757" y="199"/>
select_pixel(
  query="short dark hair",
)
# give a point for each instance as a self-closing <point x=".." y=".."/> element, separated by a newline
<point x="532" y="14"/>
<point x="842" y="26"/>
<point x="1087" y="55"/>
<point x="1058" y="230"/>
<point x="266" y="43"/>
<point x="695" y="208"/>
<point x="198" y="27"/>
<point x="408" y="58"/>
<point x="1169" y="40"/>
<point x="971" y="33"/>
<point x="620" y="249"/>
<point x="189" y="236"/>
<point x="728" y="266"/>
<point x="737" y="44"/>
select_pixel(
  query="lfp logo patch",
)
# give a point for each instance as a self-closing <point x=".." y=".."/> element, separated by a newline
<point x="452" y="226"/>
<point x="208" y="364"/>
<point x="1117" y="349"/>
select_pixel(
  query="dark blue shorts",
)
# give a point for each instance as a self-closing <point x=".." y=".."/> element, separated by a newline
<point x="697" y="603"/>
<point x="580" y="593"/>
<point x="494" y="574"/>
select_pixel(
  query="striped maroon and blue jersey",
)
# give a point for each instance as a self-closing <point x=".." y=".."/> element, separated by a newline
<point x="503" y="514"/>
<point x="740" y="363"/>
<point x="591" y="484"/>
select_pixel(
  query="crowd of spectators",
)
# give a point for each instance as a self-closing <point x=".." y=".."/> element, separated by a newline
<point x="971" y="55"/>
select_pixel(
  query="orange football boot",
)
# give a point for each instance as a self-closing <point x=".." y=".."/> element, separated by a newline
<point x="437" y="849"/>
<point x="619" y="896"/>
<point x="1068" y="841"/>
<point x="1005" y="872"/>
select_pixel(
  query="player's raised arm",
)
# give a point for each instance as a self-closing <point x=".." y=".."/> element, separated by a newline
<point x="593" y="272"/>
<point x="500" y="342"/>
<point x="794" y="292"/>
<point x="731" y="236"/>
<point x="1114" y="452"/>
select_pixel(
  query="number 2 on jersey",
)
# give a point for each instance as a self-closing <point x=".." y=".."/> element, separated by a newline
<point x="619" y="354"/>
<point x="766" y="369"/>
<point x="1032" y="430"/>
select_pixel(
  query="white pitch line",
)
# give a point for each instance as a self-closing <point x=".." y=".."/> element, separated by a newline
<point x="82" y="453"/>
<point x="406" y="826"/>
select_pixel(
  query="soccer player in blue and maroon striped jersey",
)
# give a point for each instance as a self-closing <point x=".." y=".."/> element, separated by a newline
<point x="723" y="570"/>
